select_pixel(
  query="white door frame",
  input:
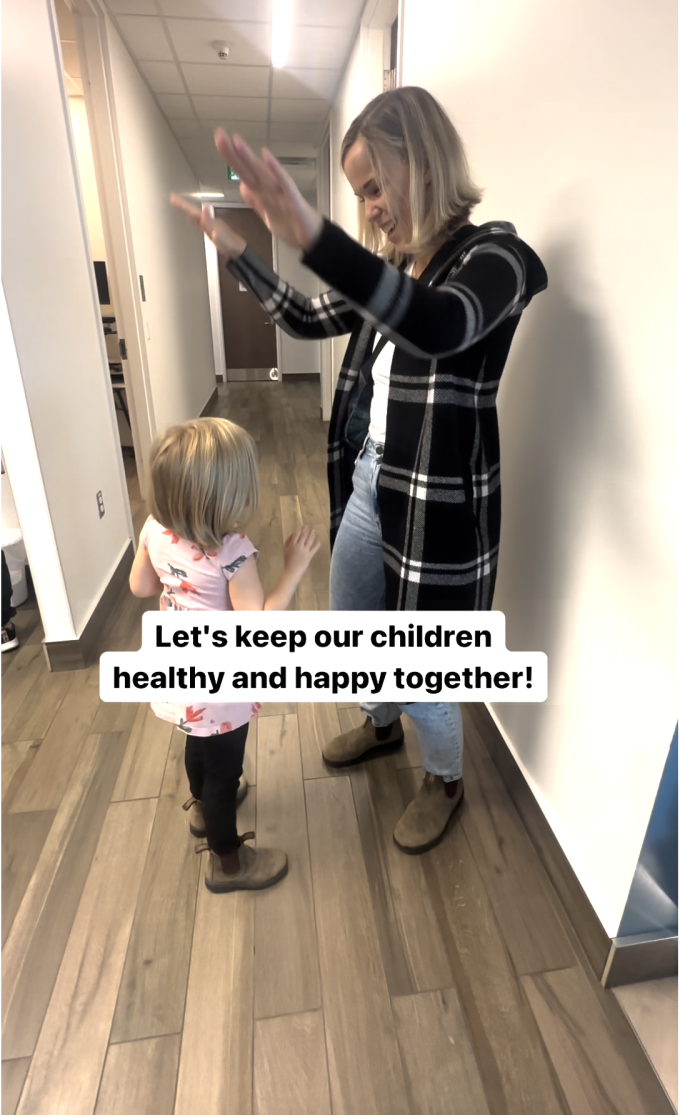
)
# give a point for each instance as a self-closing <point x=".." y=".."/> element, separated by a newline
<point x="91" y="30"/>
<point x="323" y="194"/>
<point x="212" y="261"/>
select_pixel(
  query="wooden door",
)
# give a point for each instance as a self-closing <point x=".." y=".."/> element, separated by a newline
<point x="249" y="333"/>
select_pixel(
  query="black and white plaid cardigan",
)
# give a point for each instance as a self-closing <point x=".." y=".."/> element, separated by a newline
<point x="439" y="489"/>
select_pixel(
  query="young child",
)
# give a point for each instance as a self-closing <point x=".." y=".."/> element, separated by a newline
<point x="192" y="550"/>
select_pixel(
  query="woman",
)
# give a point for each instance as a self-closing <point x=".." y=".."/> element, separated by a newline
<point x="432" y="304"/>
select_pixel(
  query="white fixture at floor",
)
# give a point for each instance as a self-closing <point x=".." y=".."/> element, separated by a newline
<point x="15" y="556"/>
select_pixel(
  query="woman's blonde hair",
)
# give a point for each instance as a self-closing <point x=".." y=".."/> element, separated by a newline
<point x="203" y="480"/>
<point x="410" y="123"/>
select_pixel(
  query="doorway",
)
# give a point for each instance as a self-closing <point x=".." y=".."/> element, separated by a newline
<point x="82" y="31"/>
<point x="250" y="346"/>
<point x="100" y="253"/>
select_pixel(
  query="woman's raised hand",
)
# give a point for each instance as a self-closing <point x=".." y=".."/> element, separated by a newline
<point x="271" y="192"/>
<point x="228" y="243"/>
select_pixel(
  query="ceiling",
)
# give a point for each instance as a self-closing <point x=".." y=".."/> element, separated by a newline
<point x="286" y="109"/>
<point x="69" y="50"/>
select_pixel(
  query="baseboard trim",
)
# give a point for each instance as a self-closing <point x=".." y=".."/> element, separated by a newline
<point x="592" y="935"/>
<point x="78" y="654"/>
<point x="209" y="407"/>
<point x="644" y="957"/>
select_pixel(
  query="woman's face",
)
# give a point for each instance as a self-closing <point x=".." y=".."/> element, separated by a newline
<point x="360" y="174"/>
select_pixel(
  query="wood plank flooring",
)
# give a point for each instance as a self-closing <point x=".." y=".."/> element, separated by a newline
<point x="652" y="1009"/>
<point x="366" y="983"/>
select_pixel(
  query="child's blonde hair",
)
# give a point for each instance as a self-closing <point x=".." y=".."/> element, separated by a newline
<point x="203" y="480"/>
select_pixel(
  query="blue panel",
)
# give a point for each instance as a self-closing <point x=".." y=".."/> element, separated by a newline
<point x="653" y="900"/>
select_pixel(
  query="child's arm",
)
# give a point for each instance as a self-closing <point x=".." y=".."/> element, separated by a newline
<point x="246" y="592"/>
<point x="144" y="580"/>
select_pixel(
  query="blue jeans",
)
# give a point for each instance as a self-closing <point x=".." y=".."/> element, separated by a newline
<point x="358" y="584"/>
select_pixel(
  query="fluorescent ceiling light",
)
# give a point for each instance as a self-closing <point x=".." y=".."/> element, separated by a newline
<point x="281" y="24"/>
<point x="208" y="195"/>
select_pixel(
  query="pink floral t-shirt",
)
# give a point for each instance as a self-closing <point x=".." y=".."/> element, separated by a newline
<point x="197" y="580"/>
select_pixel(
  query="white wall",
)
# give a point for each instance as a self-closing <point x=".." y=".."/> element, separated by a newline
<point x="297" y="357"/>
<point x="31" y="509"/>
<point x="10" y="518"/>
<point x="323" y="190"/>
<point x="167" y="251"/>
<point x="59" y="436"/>
<point x="361" y="82"/>
<point x="568" y="111"/>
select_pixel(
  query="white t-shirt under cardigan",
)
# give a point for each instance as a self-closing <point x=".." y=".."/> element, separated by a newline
<point x="381" y="388"/>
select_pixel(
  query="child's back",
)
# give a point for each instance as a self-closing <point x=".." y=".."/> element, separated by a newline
<point x="194" y="579"/>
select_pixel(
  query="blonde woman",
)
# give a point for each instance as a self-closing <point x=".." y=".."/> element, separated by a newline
<point x="431" y="303"/>
<point x="193" y="553"/>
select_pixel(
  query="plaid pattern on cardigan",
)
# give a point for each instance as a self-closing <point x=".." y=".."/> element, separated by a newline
<point x="439" y="489"/>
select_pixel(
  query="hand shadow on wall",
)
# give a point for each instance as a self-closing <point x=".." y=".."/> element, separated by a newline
<point x="567" y="456"/>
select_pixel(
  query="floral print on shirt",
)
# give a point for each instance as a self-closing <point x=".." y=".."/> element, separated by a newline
<point x="205" y="588"/>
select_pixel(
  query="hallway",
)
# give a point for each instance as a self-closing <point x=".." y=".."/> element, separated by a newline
<point x="367" y="983"/>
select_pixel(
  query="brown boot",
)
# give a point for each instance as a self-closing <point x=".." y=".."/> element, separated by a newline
<point x="259" y="868"/>
<point x="197" y="818"/>
<point x="360" y="744"/>
<point x="428" y="816"/>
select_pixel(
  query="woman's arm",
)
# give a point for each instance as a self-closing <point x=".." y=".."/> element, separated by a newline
<point x="328" y="315"/>
<point x="144" y="580"/>
<point x="490" y="286"/>
<point x="245" y="590"/>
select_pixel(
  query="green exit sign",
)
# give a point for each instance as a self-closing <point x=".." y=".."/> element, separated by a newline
<point x="232" y="175"/>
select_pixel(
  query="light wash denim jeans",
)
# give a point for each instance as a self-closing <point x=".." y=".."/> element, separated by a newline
<point x="358" y="584"/>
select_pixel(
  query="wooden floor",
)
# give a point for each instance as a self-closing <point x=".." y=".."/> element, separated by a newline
<point x="652" y="1009"/>
<point x="366" y="983"/>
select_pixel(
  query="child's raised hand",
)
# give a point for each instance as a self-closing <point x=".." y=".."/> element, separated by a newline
<point x="299" y="549"/>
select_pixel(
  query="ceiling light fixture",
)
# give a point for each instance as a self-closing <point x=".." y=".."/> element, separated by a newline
<point x="208" y="195"/>
<point x="281" y="26"/>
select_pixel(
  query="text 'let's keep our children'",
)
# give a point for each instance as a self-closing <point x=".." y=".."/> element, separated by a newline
<point x="312" y="656"/>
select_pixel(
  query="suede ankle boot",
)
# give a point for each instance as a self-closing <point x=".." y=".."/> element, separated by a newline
<point x="429" y="815"/>
<point x="259" y="868"/>
<point x="360" y="744"/>
<point x="197" y="818"/>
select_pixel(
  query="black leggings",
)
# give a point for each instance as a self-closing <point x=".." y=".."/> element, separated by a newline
<point x="214" y="765"/>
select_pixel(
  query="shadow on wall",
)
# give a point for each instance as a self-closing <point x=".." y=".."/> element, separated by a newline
<point x="567" y="455"/>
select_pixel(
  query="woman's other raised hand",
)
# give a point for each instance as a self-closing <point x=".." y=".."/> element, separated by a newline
<point x="228" y="243"/>
<point x="271" y="192"/>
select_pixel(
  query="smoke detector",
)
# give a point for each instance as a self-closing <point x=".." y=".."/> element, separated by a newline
<point x="222" y="50"/>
